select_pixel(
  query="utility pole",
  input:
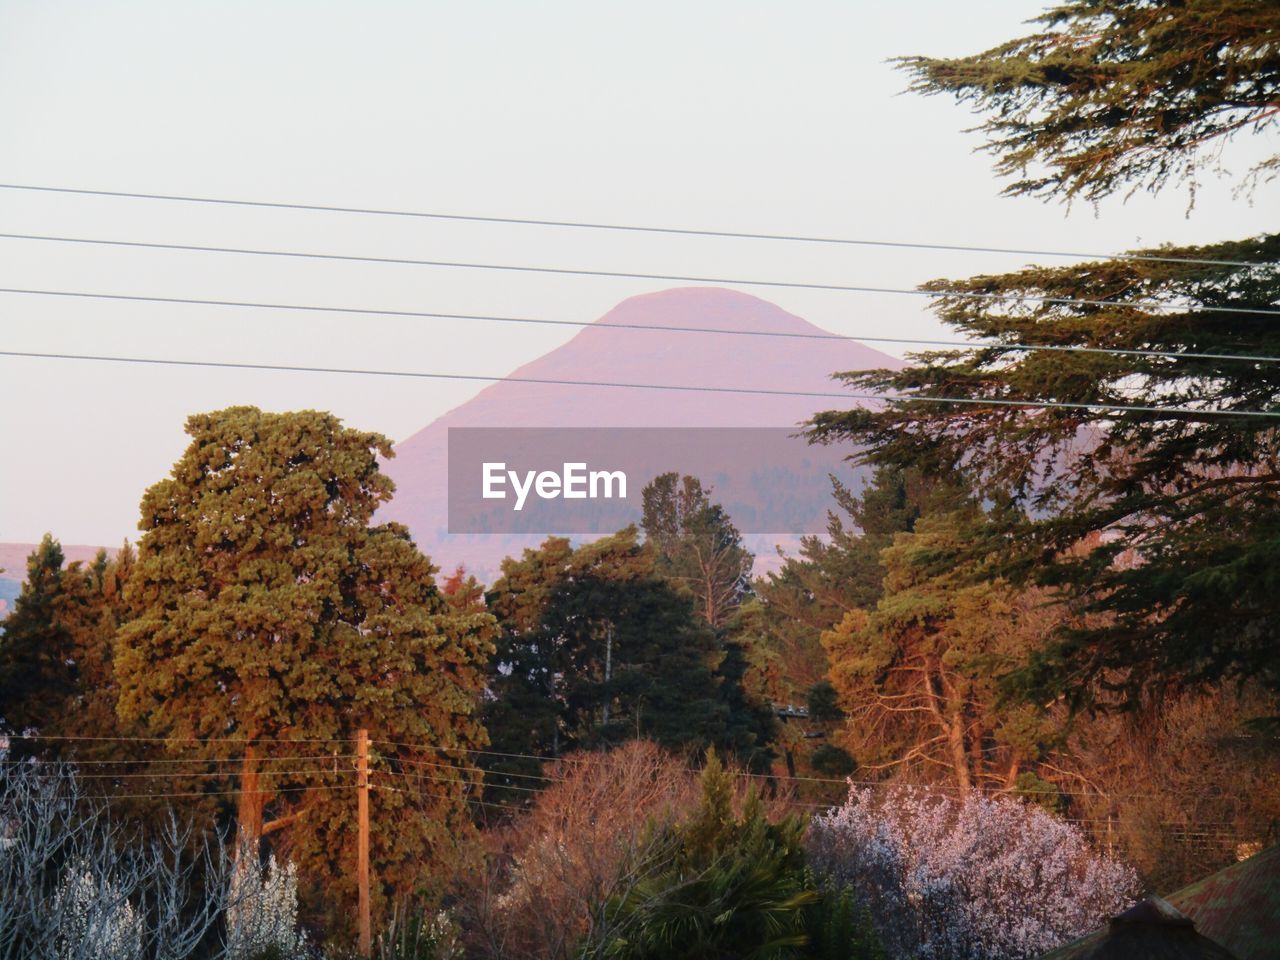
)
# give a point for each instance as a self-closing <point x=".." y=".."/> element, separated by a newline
<point x="362" y="840"/>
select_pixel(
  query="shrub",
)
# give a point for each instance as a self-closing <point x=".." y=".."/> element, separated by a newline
<point x="719" y="885"/>
<point x="971" y="877"/>
<point x="547" y="874"/>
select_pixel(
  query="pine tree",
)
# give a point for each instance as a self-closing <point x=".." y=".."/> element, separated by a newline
<point x="917" y="674"/>
<point x="724" y="884"/>
<point x="698" y="547"/>
<point x="1180" y="510"/>
<point x="1158" y="525"/>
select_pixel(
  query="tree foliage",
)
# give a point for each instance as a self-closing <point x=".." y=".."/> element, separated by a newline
<point x="1184" y="507"/>
<point x="38" y="647"/>
<point x="1110" y="94"/>
<point x="917" y="674"/>
<point x="834" y="574"/>
<point x="722" y="884"/>
<point x="698" y="547"/>
<point x="269" y="610"/>
<point x="597" y="647"/>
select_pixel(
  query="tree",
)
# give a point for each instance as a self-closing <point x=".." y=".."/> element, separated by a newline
<point x="271" y="614"/>
<point x="722" y="884"/>
<point x="967" y="876"/>
<point x="37" y="648"/>
<point x="1184" y="507"/>
<point x="815" y="589"/>
<point x="56" y="675"/>
<point x="1116" y="93"/>
<point x="551" y="872"/>
<point x="1178" y="493"/>
<point x="916" y="675"/>
<point x="698" y="547"/>
<point x="597" y="647"/>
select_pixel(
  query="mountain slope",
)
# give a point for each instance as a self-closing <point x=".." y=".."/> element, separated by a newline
<point x="624" y="355"/>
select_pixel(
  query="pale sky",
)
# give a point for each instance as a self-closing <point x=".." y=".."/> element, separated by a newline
<point x="761" y="117"/>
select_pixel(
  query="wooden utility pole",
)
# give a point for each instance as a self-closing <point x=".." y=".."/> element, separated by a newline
<point x="362" y="841"/>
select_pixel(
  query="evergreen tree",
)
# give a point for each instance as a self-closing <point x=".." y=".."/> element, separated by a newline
<point x="834" y="574"/>
<point x="917" y="675"/>
<point x="1181" y="509"/>
<point x="1110" y="94"/>
<point x="1159" y="524"/>
<point x="723" y="884"/>
<point x="37" y="647"/>
<point x="272" y="618"/>
<point x="596" y="647"/>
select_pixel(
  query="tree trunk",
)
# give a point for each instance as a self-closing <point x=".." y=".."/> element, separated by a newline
<point x="959" y="753"/>
<point x="251" y="805"/>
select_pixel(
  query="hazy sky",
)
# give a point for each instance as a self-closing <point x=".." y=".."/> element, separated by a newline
<point x="777" y="117"/>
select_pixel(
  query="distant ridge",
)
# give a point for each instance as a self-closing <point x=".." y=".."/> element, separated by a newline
<point x="13" y="556"/>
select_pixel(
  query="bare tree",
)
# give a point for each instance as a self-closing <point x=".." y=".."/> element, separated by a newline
<point x="79" y="885"/>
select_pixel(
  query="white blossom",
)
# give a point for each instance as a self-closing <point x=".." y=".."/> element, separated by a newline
<point x="95" y="920"/>
<point x="978" y="877"/>
<point x="263" y="911"/>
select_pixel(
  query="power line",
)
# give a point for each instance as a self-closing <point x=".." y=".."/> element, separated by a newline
<point x="625" y="275"/>
<point x="170" y="774"/>
<point x="153" y="761"/>
<point x="578" y="758"/>
<point x="626" y="228"/>
<point x="688" y="388"/>
<point x="221" y="793"/>
<point x="966" y="344"/>
<point x="585" y="757"/>
<point x="197" y="741"/>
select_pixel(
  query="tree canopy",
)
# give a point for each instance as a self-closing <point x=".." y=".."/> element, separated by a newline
<point x="916" y="674"/>
<point x="270" y="610"/>
<point x="1184" y="504"/>
<point x="1116" y="94"/>
<point x="698" y="547"/>
<point x="1120" y="417"/>
<point x="597" y="647"/>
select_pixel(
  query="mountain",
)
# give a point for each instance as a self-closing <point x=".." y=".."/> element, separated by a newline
<point x="609" y="350"/>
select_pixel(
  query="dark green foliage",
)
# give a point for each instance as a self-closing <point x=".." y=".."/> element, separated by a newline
<point x="837" y="929"/>
<point x="1110" y="94"/>
<point x="832" y="761"/>
<point x="751" y="726"/>
<point x="720" y="885"/>
<point x="596" y="647"/>
<point x="824" y="703"/>
<point x="834" y="575"/>
<point x="1185" y="583"/>
<point x="37" y="650"/>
